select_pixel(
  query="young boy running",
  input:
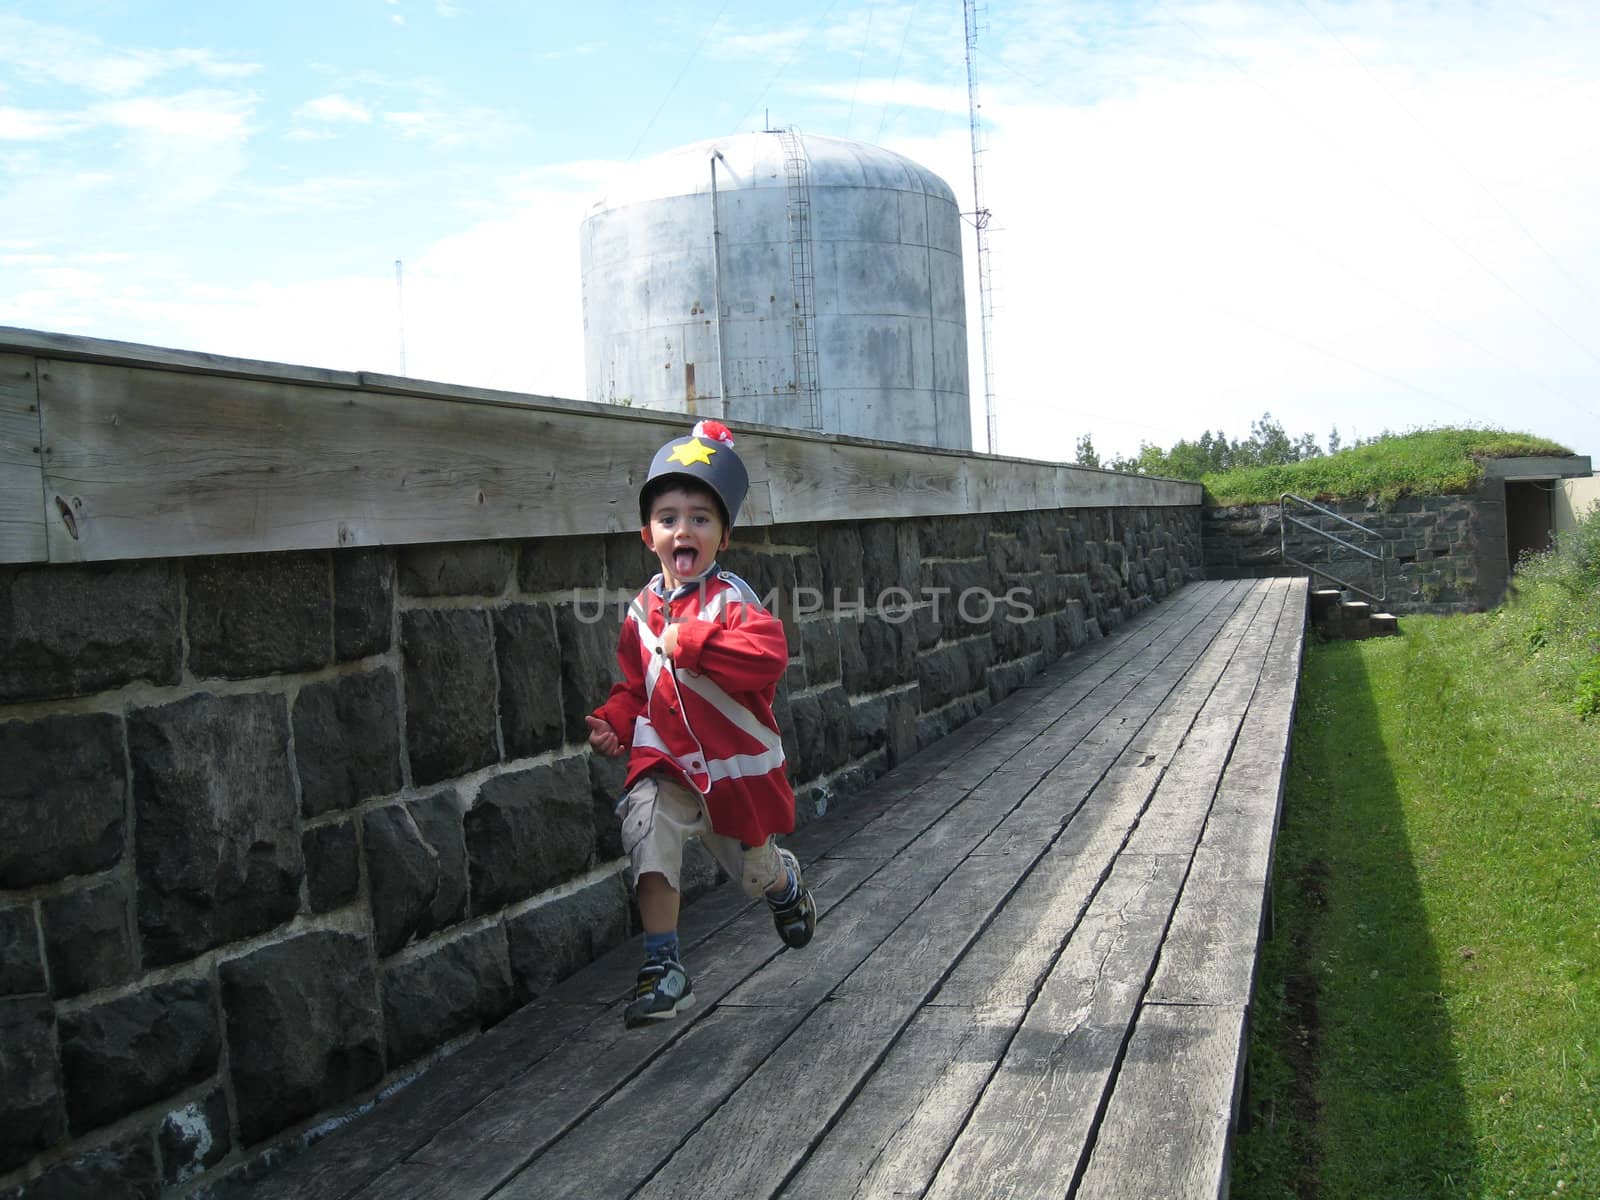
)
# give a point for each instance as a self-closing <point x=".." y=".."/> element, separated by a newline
<point x="701" y="660"/>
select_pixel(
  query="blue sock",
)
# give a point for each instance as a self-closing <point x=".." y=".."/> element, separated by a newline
<point x="661" y="946"/>
<point x="790" y="893"/>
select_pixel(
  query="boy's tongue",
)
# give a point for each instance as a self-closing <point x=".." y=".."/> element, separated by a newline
<point x="683" y="561"/>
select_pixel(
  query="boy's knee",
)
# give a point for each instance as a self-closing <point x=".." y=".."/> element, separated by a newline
<point x="763" y="869"/>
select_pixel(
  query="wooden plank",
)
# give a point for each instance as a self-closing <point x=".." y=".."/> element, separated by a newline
<point x="1211" y="950"/>
<point x="168" y="464"/>
<point x="1015" y="1144"/>
<point x="1033" y="1123"/>
<point x="891" y="1138"/>
<point x="176" y="459"/>
<point x="1167" y="1128"/>
<point x="1008" y="962"/>
<point x="22" y="512"/>
<point x="757" y="1137"/>
<point x="617" y="1148"/>
<point x="343" y="1162"/>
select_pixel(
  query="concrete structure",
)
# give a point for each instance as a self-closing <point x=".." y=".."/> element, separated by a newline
<point x="1574" y="498"/>
<point x="785" y="279"/>
<point x="1440" y="554"/>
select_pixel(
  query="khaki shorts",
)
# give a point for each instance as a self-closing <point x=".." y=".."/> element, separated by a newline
<point x="660" y="815"/>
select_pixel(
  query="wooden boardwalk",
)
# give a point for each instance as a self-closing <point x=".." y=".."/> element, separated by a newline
<point x="1030" y="978"/>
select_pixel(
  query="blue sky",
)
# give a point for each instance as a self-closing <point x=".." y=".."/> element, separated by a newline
<point x="1364" y="214"/>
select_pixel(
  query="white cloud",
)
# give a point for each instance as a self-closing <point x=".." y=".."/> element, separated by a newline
<point x="185" y="148"/>
<point x="36" y="125"/>
<point x="334" y="108"/>
<point x="66" y="56"/>
<point x="874" y="93"/>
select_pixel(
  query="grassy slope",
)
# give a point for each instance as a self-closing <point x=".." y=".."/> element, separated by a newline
<point x="1428" y="1018"/>
<point x="1434" y="461"/>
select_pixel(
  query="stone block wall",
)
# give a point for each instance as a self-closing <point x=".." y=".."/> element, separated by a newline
<point x="1444" y="554"/>
<point x="280" y="828"/>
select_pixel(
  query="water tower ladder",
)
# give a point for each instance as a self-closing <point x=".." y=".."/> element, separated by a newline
<point x="802" y="279"/>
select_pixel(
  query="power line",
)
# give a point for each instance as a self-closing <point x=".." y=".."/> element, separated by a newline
<point x="895" y="78"/>
<point x="684" y="70"/>
<point x="861" y="61"/>
<point x="784" y="65"/>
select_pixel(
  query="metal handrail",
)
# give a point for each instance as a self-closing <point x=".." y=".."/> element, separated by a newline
<point x="1285" y="520"/>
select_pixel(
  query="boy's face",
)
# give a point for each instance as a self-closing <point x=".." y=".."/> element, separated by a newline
<point x="685" y="534"/>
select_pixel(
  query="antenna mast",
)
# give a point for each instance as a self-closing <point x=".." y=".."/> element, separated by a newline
<point x="400" y="310"/>
<point x="980" y="222"/>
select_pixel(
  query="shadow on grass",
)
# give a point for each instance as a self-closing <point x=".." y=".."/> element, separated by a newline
<point x="1354" y="1089"/>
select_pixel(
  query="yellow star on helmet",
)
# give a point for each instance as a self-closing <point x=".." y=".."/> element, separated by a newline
<point x="691" y="452"/>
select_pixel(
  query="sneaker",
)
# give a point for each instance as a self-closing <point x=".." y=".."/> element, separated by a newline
<point x="662" y="992"/>
<point x="796" y="920"/>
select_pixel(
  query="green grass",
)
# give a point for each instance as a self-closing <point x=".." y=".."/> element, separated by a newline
<point x="1427" y="1020"/>
<point x="1432" y="462"/>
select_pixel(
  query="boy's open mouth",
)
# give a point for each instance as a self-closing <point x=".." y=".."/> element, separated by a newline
<point x="683" y="559"/>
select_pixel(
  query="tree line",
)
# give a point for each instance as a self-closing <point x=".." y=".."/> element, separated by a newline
<point x="1269" y="444"/>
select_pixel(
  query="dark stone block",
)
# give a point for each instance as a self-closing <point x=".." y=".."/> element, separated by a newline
<point x="126" y="1170"/>
<point x="466" y="569"/>
<point x="333" y="866"/>
<point x="835" y="749"/>
<point x="88" y="937"/>
<point x="552" y="941"/>
<point x="304" y="1029"/>
<point x="363" y="603"/>
<point x="529" y="658"/>
<point x="347" y="741"/>
<point x="21" y="964"/>
<point x="31" y="1114"/>
<point x="119" y="1056"/>
<point x="853" y="666"/>
<point x="953" y="537"/>
<point x="820" y="643"/>
<point x="417" y="868"/>
<point x="629" y="562"/>
<point x="259" y="614"/>
<point x="880" y="560"/>
<point x="529" y="831"/>
<point x="588" y="663"/>
<point x="440" y="819"/>
<point x="808" y="747"/>
<point x="464" y="985"/>
<point x="606" y="777"/>
<point x="403" y="872"/>
<point x="450" y="692"/>
<point x="218" y="851"/>
<point x="75" y="630"/>
<point x="839" y="548"/>
<point x="63" y="798"/>
<point x="194" y="1138"/>
<point x="869" y="725"/>
<point x="901" y="726"/>
<point x="555" y="565"/>
<point x="889" y="650"/>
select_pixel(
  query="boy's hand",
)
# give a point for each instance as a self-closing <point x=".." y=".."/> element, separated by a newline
<point x="669" y="641"/>
<point x="602" y="738"/>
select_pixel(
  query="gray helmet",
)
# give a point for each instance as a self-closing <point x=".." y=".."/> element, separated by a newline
<point x="705" y="456"/>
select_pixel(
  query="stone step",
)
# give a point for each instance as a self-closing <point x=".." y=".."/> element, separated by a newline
<point x="1385" y="625"/>
<point x="1355" y="619"/>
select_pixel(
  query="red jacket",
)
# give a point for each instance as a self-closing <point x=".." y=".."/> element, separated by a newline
<point x="705" y="716"/>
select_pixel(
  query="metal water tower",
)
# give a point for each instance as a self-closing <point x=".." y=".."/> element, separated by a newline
<point x="783" y="278"/>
